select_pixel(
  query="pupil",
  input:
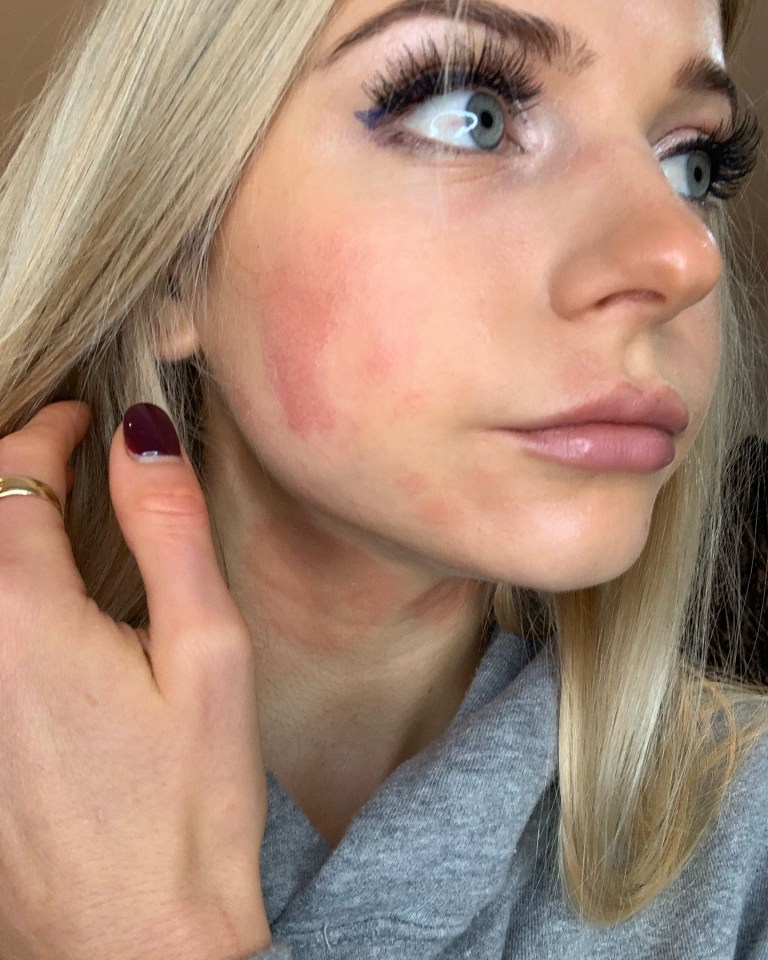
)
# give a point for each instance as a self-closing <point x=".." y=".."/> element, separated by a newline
<point x="699" y="174"/>
<point x="486" y="119"/>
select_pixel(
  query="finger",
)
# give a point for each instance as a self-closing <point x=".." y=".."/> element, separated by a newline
<point x="194" y="621"/>
<point x="31" y="528"/>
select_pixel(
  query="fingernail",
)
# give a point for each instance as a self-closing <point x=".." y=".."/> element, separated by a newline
<point x="149" y="432"/>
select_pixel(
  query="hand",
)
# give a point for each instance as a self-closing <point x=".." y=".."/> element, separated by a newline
<point x="132" y="791"/>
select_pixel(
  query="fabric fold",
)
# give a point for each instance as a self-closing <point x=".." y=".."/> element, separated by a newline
<point x="419" y="848"/>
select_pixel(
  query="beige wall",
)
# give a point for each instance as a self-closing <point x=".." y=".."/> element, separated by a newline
<point x="30" y="30"/>
<point x="750" y="68"/>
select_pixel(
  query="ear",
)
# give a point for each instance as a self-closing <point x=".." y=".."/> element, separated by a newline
<point x="178" y="338"/>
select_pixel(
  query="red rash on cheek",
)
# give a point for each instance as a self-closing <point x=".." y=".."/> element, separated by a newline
<point x="378" y="364"/>
<point x="299" y="321"/>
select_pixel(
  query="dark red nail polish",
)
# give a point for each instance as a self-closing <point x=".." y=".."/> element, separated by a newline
<point x="149" y="432"/>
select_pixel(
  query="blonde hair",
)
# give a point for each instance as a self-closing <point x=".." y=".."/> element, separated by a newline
<point x="112" y="199"/>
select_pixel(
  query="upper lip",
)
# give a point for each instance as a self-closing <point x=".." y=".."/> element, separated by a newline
<point x="660" y="407"/>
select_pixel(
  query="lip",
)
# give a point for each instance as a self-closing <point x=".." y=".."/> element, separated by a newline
<point x="602" y="447"/>
<point x="661" y="408"/>
<point x="625" y="430"/>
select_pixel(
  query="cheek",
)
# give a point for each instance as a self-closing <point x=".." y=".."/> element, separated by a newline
<point x="696" y="371"/>
<point x="704" y="356"/>
<point x="341" y="333"/>
<point x="299" y="322"/>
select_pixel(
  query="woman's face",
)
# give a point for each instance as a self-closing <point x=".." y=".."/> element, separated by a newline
<point x="401" y="302"/>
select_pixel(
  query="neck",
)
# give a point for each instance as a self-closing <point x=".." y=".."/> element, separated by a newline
<point x="360" y="654"/>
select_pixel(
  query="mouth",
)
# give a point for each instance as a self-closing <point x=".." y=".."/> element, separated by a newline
<point x="624" y="430"/>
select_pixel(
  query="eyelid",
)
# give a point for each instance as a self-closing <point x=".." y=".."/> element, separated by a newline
<point x="410" y="78"/>
<point x="679" y="139"/>
<point x="733" y="149"/>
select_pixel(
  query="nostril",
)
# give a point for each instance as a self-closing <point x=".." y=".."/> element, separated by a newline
<point x="632" y="296"/>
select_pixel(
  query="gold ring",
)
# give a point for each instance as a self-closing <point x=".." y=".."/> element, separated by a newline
<point x="28" y="487"/>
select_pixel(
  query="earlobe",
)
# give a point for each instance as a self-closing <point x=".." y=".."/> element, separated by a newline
<point x="177" y="336"/>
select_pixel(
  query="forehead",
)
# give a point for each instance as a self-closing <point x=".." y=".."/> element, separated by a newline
<point x="665" y="27"/>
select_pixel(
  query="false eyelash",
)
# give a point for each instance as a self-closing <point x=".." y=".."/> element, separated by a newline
<point x="413" y="78"/>
<point x="733" y="151"/>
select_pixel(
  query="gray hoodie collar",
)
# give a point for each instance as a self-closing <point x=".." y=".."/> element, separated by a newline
<point x="437" y="841"/>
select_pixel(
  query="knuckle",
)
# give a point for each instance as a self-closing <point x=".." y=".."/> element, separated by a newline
<point x="226" y="667"/>
<point x="51" y="430"/>
<point x="232" y="650"/>
<point x="36" y="446"/>
<point x="216" y="667"/>
<point x="236" y="649"/>
<point x="20" y="445"/>
<point x="180" y="503"/>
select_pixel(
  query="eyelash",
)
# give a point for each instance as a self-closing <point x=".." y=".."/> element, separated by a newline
<point x="733" y="151"/>
<point x="415" y="77"/>
<point x="412" y="78"/>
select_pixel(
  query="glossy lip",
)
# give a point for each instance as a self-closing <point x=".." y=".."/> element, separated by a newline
<point x="660" y="407"/>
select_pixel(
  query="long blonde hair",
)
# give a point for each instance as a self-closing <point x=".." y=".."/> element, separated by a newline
<point x="112" y="199"/>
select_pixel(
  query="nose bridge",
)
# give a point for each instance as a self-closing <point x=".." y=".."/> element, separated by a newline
<point x="633" y="235"/>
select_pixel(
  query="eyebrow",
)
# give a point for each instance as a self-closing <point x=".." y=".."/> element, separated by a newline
<point x="702" y="75"/>
<point x="553" y="42"/>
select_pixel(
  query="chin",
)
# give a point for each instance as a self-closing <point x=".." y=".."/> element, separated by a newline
<point x="561" y="566"/>
<point x="576" y="572"/>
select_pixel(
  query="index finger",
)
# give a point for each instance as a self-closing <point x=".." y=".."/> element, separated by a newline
<point x="31" y="529"/>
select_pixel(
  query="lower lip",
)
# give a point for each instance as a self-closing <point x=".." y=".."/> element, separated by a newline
<point x="602" y="446"/>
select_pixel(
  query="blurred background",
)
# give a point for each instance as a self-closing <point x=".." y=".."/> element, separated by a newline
<point x="32" y="32"/>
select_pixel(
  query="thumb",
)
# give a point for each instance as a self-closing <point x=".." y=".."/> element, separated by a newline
<point x="164" y="518"/>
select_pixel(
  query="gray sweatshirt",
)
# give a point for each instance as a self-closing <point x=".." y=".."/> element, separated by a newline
<point x="452" y="857"/>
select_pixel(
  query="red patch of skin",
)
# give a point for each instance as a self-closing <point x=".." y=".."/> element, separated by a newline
<point x="411" y="403"/>
<point x="444" y="600"/>
<point x="419" y="491"/>
<point x="305" y="331"/>
<point x="300" y="328"/>
<point x="379" y="362"/>
<point x="324" y="591"/>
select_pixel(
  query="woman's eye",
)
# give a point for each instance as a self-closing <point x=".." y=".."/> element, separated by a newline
<point x="465" y="120"/>
<point x="690" y="173"/>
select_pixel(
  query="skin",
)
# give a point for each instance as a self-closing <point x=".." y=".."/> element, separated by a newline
<point x="373" y="314"/>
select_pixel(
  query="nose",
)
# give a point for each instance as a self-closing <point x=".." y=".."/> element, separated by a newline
<point x="634" y="242"/>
